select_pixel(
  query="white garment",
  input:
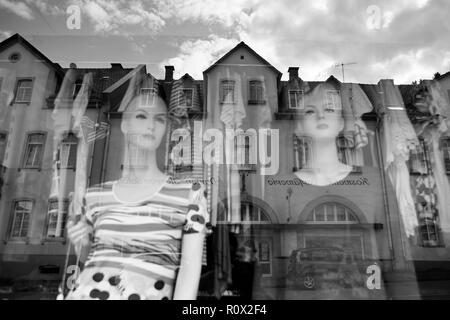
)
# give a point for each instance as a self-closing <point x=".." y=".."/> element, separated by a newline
<point x="398" y="139"/>
<point x="232" y="116"/>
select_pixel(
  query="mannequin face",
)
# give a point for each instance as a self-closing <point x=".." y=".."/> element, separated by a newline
<point x="322" y="116"/>
<point x="145" y="124"/>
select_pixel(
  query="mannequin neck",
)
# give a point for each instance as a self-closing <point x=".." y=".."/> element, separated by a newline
<point x="325" y="167"/>
<point x="140" y="167"/>
<point x="325" y="156"/>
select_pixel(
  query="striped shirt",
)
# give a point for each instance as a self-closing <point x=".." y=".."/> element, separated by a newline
<point x="138" y="241"/>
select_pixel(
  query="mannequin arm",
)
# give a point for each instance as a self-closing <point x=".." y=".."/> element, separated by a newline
<point x="190" y="267"/>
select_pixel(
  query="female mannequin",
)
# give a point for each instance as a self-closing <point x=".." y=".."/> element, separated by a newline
<point x="147" y="235"/>
<point x="322" y="120"/>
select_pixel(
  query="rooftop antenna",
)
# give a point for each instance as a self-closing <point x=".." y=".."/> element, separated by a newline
<point x="342" y="64"/>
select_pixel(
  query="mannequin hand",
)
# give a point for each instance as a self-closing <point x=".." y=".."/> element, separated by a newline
<point x="79" y="233"/>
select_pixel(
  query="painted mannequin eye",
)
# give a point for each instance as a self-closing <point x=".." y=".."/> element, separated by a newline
<point x="141" y="116"/>
<point x="161" y="119"/>
<point x="309" y="112"/>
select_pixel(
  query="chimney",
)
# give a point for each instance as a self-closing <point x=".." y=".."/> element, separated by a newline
<point x="293" y="73"/>
<point x="169" y="73"/>
<point x="116" y="66"/>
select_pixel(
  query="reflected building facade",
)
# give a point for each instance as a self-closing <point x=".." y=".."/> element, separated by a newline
<point x="274" y="234"/>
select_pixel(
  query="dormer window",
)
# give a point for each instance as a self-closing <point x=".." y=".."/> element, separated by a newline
<point x="333" y="99"/>
<point x="147" y="96"/>
<point x="188" y="97"/>
<point x="296" y="99"/>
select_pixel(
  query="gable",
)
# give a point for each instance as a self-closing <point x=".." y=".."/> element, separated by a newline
<point x="17" y="43"/>
<point x="242" y="55"/>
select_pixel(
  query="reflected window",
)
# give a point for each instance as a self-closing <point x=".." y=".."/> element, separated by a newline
<point x="147" y="96"/>
<point x="347" y="151"/>
<point x="256" y="92"/>
<point x="21" y="217"/>
<point x="445" y="145"/>
<point x="302" y="152"/>
<point x="34" y="150"/>
<point x="419" y="161"/>
<point x="76" y="88"/>
<point x="227" y="91"/>
<point x="253" y="214"/>
<point x="68" y="152"/>
<point x="24" y="90"/>
<point x="333" y="99"/>
<point x="264" y="257"/>
<point x="187" y="97"/>
<point x="3" y="141"/>
<point x="296" y="99"/>
<point x="332" y="213"/>
<point x="429" y="233"/>
<point x="245" y="151"/>
<point x="56" y="219"/>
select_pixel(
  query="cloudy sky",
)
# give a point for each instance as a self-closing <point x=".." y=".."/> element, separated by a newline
<point x="405" y="40"/>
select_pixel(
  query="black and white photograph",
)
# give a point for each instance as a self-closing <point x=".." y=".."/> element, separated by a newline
<point x="224" y="151"/>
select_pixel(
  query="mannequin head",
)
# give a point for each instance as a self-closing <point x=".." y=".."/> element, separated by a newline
<point x="144" y="122"/>
<point x="322" y="116"/>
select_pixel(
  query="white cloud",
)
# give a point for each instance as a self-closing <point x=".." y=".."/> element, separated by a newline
<point x="114" y="16"/>
<point x="18" y="8"/>
<point x="5" y="35"/>
<point x="45" y="7"/>
<point x="227" y="13"/>
<point x="412" y="43"/>
<point x="197" y="55"/>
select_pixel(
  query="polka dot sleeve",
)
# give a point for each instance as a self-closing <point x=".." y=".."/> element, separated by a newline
<point x="197" y="218"/>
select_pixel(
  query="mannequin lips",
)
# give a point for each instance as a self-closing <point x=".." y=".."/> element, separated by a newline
<point x="322" y="126"/>
<point x="149" y="136"/>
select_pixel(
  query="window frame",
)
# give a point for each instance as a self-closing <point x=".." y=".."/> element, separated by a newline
<point x="302" y="107"/>
<point x="6" y="134"/>
<point x="269" y="260"/>
<point x="340" y="150"/>
<point x="152" y="93"/>
<point x="16" y="90"/>
<point x="25" y="151"/>
<point x="252" y="84"/>
<point x="430" y="243"/>
<point x="77" y="85"/>
<point x="348" y="213"/>
<point x="13" y="216"/>
<point x="185" y="104"/>
<point x="47" y="220"/>
<point x="299" y="141"/>
<point x="332" y="93"/>
<point x="260" y="214"/>
<point x="222" y="96"/>
<point x="66" y="136"/>
<point x="442" y="140"/>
